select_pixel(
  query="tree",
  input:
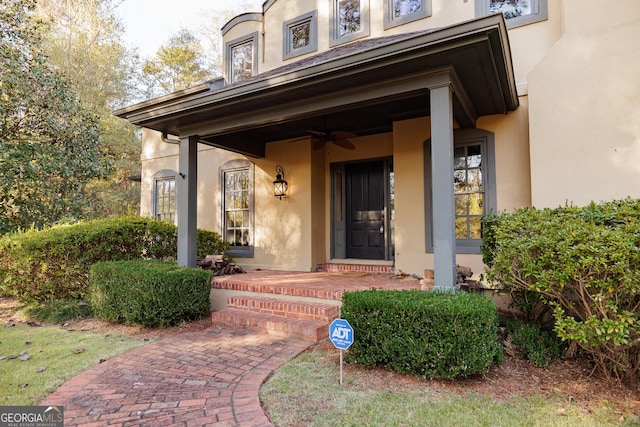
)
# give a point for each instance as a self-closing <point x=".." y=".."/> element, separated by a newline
<point x="177" y="65"/>
<point x="84" y="41"/>
<point x="212" y="36"/>
<point x="49" y="143"/>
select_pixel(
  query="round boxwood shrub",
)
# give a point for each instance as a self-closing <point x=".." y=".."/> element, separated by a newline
<point x="150" y="293"/>
<point x="424" y="333"/>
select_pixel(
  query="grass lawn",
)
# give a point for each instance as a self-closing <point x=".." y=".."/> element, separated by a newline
<point x="52" y="355"/>
<point x="306" y="392"/>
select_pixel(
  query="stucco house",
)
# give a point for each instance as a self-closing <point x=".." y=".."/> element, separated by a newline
<point x="395" y="125"/>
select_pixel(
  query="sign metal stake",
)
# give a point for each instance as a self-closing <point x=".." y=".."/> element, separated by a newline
<point x="340" y="366"/>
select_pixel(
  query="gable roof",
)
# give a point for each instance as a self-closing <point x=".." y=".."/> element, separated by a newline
<point x="376" y="81"/>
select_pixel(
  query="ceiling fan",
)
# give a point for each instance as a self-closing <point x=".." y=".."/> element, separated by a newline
<point x="320" y="138"/>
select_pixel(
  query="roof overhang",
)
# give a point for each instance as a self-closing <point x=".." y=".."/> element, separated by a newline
<point x="361" y="87"/>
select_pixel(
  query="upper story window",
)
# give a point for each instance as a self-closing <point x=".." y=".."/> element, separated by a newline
<point x="398" y="12"/>
<point x="516" y="12"/>
<point x="241" y="57"/>
<point x="301" y="35"/>
<point x="350" y="20"/>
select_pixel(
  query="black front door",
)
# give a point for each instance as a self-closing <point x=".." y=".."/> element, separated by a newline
<point x="365" y="207"/>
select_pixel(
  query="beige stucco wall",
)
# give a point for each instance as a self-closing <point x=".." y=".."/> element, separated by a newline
<point x="529" y="43"/>
<point x="585" y="107"/>
<point x="575" y="136"/>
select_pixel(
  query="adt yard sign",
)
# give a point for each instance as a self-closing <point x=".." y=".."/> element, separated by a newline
<point x="341" y="334"/>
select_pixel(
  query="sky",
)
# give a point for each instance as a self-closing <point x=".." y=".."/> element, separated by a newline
<point x="150" y="23"/>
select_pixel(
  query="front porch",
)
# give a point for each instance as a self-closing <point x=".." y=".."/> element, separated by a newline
<point x="295" y="304"/>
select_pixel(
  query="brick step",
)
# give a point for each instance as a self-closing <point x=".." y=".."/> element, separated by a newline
<point x="356" y="268"/>
<point x="308" y="330"/>
<point x="290" y="309"/>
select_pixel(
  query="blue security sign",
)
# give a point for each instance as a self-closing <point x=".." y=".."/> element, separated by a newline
<point x="341" y="334"/>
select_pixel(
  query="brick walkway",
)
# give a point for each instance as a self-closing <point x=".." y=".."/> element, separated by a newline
<point x="208" y="378"/>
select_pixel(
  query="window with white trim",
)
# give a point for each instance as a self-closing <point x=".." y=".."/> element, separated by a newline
<point x="241" y="57"/>
<point x="516" y="12"/>
<point x="473" y="186"/>
<point x="301" y="35"/>
<point x="236" y="178"/>
<point x="350" y="20"/>
<point x="398" y="12"/>
<point x="164" y="205"/>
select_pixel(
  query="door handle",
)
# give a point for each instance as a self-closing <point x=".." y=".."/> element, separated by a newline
<point x="382" y="229"/>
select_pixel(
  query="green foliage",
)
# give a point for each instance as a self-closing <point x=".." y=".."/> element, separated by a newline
<point x="539" y="346"/>
<point x="583" y="264"/>
<point x="423" y="333"/>
<point x="59" y="311"/>
<point x="84" y="41"/>
<point x="177" y="65"/>
<point x="49" y="144"/>
<point x="54" y="263"/>
<point x="151" y="293"/>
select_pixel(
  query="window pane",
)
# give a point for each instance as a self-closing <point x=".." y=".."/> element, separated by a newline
<point x="242" y="61"/>
<point x="301" y="35"/>
<point x="348" y="16"/>
<point x="461" y="228"/>
<point x="475" y="228"/>
<point x="461" y="204"/>
<point x="460" y="180"/>
<point x="475" y="204"/>
<point x="474" y="157"/>
<point x="511" y="8"/>
<point x="474" y="180"/>
<point x="405" y="7"/>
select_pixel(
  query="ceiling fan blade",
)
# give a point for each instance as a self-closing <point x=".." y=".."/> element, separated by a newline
<point x="344" y="143"/>
<point x="317" y="133"/>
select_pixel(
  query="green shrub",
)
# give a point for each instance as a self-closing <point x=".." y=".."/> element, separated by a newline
<point x="540" y="347"/>
<point x="583" y="264"/>
<point x="150" y="293"/>
<point x="54" y="263"/>
<point x="424" y="333"/>
<point x="59" y="311"/>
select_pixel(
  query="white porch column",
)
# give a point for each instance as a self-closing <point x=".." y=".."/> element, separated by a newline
<point x="443" y="203"/>
<point x="186" y="194"/>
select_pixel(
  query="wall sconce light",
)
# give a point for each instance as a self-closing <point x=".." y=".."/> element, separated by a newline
<point x="280" y="186"/>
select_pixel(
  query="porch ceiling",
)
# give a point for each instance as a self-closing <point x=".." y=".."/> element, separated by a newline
<point x="362" y="87"/>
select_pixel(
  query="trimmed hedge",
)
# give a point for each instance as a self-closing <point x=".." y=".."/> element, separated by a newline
<point x="582" y="266"/>
<point x="150" y="293"/>
<point x="423" y="333"/>
<point x="54" y="263"/>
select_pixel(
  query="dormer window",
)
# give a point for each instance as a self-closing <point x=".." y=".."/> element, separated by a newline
<point x="398" y="12"/>
<point x="516" y="12"/>
<point x="300" y="35"/>
<point x="350" y="20"/>
<point x="241" y="58"/>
